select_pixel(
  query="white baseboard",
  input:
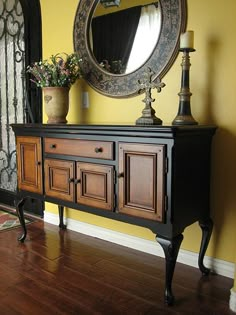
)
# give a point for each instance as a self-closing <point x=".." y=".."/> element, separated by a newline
<point x="232" y="300"/>
<point x="220" y="267"/>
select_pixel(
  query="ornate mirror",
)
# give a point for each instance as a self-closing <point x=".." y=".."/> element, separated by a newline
<point x="107" y="38"/>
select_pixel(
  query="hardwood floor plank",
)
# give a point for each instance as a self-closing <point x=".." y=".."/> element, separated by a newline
<point x="63" y="272"/>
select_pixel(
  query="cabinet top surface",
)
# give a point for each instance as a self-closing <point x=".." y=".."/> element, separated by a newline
<point x="118" y="129"/>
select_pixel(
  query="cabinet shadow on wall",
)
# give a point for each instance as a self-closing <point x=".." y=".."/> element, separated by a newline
<point x="223" y="171"/>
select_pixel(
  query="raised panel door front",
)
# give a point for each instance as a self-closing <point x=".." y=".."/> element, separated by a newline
<point x="95" y="185"/>
<point x="59" y="179"/>
<point x="29" y="163"/>
<point x="141" y="180"/>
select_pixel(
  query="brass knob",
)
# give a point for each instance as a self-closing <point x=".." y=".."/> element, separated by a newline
<point x="38" y="163"/>
<point x="53" y="146"/>
<point x="97" y="150"/>
<point x="71" y="180"/>
<point x="120" y="175"/>
<point x="77" y="181"/>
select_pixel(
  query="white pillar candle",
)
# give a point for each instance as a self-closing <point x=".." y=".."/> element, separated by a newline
<point x="187" y="39"/>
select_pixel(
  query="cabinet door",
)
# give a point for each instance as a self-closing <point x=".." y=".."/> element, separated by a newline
<point x="95" y="185"/>
<point x="59" y="179"/>
<point x="141" y="180"/>
<point x="29" y="163"/>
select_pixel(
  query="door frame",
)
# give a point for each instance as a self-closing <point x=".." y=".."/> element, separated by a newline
<point x="33" y="52"/>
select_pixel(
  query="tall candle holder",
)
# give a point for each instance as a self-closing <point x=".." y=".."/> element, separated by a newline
<point x="184" y="116"/>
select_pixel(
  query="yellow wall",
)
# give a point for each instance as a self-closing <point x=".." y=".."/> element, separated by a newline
<point x="213" y="86"/>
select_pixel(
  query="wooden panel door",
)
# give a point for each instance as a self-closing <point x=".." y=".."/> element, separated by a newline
<point x="95" y="185"/>
<point x="59" y="179"/>
<point x="29" y="163"/>
<point x="141" y="180"/>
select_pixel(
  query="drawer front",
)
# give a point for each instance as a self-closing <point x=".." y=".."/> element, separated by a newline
<point x="79" y="147"/>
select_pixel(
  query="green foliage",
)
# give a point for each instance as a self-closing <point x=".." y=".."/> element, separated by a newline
<point x="58" y="70"/>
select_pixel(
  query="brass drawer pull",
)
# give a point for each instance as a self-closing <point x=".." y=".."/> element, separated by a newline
<point x="53" y="146"/>
<point x="98" y="150"/>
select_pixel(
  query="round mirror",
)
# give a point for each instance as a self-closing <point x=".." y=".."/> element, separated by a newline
<point x="115" y="47"/>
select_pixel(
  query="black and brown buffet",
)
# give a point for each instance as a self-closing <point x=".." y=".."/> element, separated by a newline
<point x="156" y="177"/>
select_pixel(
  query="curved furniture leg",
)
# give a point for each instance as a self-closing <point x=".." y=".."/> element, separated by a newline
<point x="206" y="227"/>
<point x="171" y="250"/>
<point x="61" y="217"/>
<point x="20" y="213"/>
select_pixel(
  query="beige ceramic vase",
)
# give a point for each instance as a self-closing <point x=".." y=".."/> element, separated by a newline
<point x="56" y="102"/>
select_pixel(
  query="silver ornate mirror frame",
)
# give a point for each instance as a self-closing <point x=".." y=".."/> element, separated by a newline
<point x="174" y="19"/>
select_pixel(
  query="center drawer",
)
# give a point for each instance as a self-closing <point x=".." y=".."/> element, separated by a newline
<point x="80" y="147"/>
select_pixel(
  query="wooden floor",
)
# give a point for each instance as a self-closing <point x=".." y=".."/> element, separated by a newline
<point x="63" y="272"/>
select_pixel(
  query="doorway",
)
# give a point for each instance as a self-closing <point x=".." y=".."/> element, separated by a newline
<point x="20" y="101"/>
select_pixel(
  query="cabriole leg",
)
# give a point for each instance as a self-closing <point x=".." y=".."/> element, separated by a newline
<point x="20" y="213"/>
<point x="61" y="217"/>
<point x="206" y="227"/>
<point x="171" y="250"/>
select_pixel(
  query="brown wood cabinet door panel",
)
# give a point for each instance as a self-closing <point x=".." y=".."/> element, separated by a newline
<point x="143" y="194"/>
<point x="141" y="180"/>
<point x="59" y="179"/>
<point x="95" y="185"/>
<point x="29" y="163"/>
<point x="80" y="147"/>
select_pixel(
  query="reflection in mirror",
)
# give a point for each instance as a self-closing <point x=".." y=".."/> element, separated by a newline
<point x="123" y="38"/>
<point x="172" y="18"/>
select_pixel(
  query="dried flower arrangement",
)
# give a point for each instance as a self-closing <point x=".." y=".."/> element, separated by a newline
<point x="61" y="70"/>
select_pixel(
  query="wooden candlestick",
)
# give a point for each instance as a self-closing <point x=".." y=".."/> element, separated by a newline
<point x="184" y="116"/>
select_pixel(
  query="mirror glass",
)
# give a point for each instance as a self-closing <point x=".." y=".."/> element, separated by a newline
<point x="111" y="73"/>
<point x="123" y="37"/>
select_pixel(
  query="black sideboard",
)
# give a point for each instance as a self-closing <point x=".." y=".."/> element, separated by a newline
<point x="156" y="177"/>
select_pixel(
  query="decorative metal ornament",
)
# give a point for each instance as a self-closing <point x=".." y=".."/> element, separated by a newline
<point x="148" y="114"/>
<point x="12" y="87"/>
